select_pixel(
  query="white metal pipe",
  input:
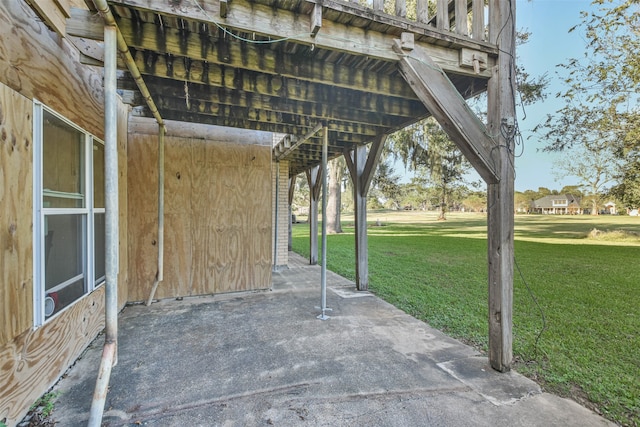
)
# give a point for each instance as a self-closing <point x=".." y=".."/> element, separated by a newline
<point x="160" y="273"/>
<point x="123" y="49"/>
<point x="323" y="268"/>
<point x="109" y="356"/>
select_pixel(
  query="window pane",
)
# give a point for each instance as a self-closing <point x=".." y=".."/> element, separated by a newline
<point x="99" y="247"/>
<point x="63" y="165"/>
<point x="56" y="301"/>
<point x="63" y="254"/>
<point x="98" y="175"/>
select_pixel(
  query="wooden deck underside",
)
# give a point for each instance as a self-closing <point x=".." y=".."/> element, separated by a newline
<point x="258" y="65"/>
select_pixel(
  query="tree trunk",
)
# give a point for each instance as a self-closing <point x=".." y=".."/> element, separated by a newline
<point x="443" y="205"/>
<point x="334" y="199"/>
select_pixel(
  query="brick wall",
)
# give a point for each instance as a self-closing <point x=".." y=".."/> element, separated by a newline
<point x="280" y="254"/>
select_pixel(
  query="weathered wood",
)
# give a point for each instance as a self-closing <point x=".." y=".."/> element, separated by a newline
<point x="500" y="217"/>
<point x="283" y="154"/>
<point x="44" y="67"/>
<point x="16" y="215"/>
<point x="422" y="11"/>
<point x="315" y="100"/>
<point x="147" y="126"/>
<point x="316" y="19"/>
<point x="291" y="193"/>
<point x="442" y="15"/>
<point x="401" y="8"/>
<point x="123" y="229"/>
<point x="85" y="24"/>
<point x="35" y="360"/>
<point x="373" y="159"/>
<point x="461" y="17"/>
<point x="477" y="27"/>
<point x="279" y="23"/>
<point x="314" y="181"/>
<point x="52" y="14"/>
<point x="452" y="112"/>
<point x="356" y="160"/>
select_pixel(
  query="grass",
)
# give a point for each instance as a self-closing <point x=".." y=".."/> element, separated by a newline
<point x="586" y="286"/>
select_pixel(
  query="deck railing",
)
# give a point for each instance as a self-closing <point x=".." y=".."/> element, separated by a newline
<point x="463" y="17"/>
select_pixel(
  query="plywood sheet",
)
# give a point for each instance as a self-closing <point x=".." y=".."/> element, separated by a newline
<point x="40" y="65"/>
<point x="142" y="215"/>
<point x="33" y="362"/>
<point x="123" y="273"/>
<point x="217" y="216"/>
<point x="16" y="214"/>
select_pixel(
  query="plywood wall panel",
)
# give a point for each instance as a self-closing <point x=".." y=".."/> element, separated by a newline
<point x="16" y="214"/>
<point x="34" y="361"/>
<point x="123" y="273"/>
<point x="41" y="65"/>
<point x="217" y="216"/>
<point x="142" y="214"/>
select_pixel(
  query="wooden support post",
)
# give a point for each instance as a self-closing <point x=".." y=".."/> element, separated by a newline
<point x="361" y="169"/>
<point x="422" y="11"/>
<point x="477" y="20"/>
<point x="401" y="8"/>
<point x="442" y="15"/>
<point x="461" y="17"/>
<point x="292" y="188"/>
<point x="501" y="118"/>
<point x="314" y="180"/>
<point x="447" y="106"/>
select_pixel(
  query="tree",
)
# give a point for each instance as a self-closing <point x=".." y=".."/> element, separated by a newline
<point x="595" y="169"/>
<point x="334" y="199"/>
<point x="426" y="145"/>
<point x="384" y="186"/>
<point x="602" y="89"/>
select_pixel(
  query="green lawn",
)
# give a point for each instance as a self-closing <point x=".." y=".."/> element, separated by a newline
<point x="588" y="289"/>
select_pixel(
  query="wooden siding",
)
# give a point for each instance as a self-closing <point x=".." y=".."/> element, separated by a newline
<point x="16" y="214"/>
<point x="123" y="258"/>
<point x="217" y="216"/>
<point x="40" y="65"/>
<point x="34" y="361"/>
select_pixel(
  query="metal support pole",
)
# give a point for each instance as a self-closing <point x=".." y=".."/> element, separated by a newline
<point x="109" y="355"/>
<point x="323" y="268"/>
<point x="160" y="274"/>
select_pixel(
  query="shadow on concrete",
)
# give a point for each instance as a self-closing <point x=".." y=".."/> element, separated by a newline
<point x="260" y="359"/>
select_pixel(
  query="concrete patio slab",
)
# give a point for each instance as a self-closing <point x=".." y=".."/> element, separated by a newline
<point x="260" y="359"/>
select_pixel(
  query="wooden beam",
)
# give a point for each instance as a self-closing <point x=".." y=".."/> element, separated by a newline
<point x="312" y="132"/>
<point x="372" y="162"/>
<point x="314" y="180"/>
<point x="264" y="20"/>
<point x="217" y="49"/>
<point x="85" y="24"/>
<point x="361" y="168"/>
<point x="500" y="211"/>
<point x="254" y="90"/>
<point x="316" y="19"/>
<point x="444" y="102"/>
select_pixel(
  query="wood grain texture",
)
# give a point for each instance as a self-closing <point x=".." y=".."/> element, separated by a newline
<point x="16" y="214"/>
<point x="142" y="194"/>
<point x="123" y="272"/>
<point x="217" y="216"/>
<point x="33" y="362"/>
<point x="37" y="63"/>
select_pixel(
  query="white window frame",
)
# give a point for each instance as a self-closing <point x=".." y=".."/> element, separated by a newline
<point x="40" y="213"/>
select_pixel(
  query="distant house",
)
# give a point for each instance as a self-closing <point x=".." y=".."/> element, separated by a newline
<point x="557" y="204"/>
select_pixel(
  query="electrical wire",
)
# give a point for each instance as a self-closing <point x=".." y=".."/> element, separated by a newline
<point x="535" y="301"/>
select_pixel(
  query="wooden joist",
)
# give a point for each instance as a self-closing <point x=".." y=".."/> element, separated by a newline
<point x="229" y="52"/>
<point x="444" y="102"/>
<point x="254" y="18"/>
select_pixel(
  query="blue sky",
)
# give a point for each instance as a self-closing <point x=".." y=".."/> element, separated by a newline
<point x="550" y="44"/>
<point x="549" y="22"/>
